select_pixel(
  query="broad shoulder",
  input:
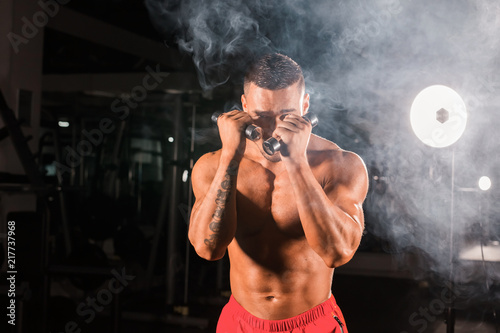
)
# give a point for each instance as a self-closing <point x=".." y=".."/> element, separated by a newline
<point x="206" y="165"/>
<point x="317" y="143"/>
<point x="333" y="161"/>
<point x="209" y="159"/>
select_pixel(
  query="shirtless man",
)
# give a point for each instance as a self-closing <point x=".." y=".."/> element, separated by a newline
<point x="287" y="220"/>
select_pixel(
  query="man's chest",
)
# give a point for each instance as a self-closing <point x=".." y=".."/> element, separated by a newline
<point x="266" y="201"/>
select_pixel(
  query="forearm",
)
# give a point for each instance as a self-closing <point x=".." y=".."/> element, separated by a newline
<point x="213" y="219"/>
<point x="330" y="231"/>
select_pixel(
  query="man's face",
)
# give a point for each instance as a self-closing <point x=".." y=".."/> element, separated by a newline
<point x="268" y="107"/>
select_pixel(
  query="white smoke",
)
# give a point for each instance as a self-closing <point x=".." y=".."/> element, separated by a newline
<point x="364" y="63"/>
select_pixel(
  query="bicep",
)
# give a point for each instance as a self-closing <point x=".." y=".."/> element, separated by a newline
<point x="348" y="188"/>
<point x="202" y="176"/>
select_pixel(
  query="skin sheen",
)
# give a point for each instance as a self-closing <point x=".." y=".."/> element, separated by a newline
<point x="285" y="220"/>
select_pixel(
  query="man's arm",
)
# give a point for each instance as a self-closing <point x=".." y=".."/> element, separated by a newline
<point x="213" y="217"/>
<point x="332" y="217"/>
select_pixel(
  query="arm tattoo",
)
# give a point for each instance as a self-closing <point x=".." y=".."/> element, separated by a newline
<point x="223" y="195"/>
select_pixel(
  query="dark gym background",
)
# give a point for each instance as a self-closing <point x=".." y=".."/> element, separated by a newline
<point x="106" y="105"/>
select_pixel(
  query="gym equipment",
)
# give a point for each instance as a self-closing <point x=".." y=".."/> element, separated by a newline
<point x="2" y="254"/>
<point x="170" y="208"/>
<point x="252" y="132"/>
<point x="13" y="128"/>
<point x="272" y="145"/>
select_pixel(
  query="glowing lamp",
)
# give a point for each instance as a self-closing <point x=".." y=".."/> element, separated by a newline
<point x="438" y="116"/>
<point x="484" y="183"/>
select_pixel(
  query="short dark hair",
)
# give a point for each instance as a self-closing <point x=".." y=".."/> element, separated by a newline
<point x="274" y="71"/>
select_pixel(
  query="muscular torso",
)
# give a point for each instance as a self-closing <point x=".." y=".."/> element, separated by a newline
<point x="274" y="272"/>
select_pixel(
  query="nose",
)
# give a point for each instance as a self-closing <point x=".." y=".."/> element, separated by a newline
<point x="275" y="121"/>
<point x="268" y="126"/>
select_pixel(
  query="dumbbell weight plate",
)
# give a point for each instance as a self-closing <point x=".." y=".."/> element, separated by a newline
<point x="252" y="132"/>
<point x="272" y="145"/>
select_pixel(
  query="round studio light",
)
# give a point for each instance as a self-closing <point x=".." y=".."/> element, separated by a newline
<point x="438" y="116"/>
<point x="484" y="183"/>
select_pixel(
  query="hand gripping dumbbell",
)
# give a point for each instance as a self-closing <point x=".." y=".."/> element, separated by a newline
<point x="272" y="145"/>
<point x="252" y="132"/>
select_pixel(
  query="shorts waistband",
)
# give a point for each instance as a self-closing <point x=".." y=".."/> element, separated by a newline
<point x="326" y="308"/>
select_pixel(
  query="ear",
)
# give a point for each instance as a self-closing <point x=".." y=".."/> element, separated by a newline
<point x="305" y="104"/>
<point x="244" y="103"/>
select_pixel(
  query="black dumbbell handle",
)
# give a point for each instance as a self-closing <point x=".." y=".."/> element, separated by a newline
<point x="252" y="132"/>
<point x="272" y="145"/>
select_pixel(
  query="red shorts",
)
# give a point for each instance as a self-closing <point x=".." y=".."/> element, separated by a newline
<point x="323" y="318"/>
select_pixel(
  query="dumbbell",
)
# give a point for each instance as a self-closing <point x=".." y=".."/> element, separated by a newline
<point x="252" y="132"/>
<point x="272" y="145"/>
